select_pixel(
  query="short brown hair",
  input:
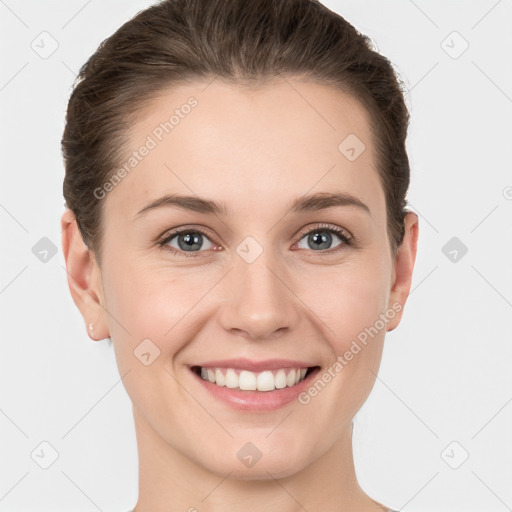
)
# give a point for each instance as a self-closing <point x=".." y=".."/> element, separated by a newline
<point x="246" y="42"/>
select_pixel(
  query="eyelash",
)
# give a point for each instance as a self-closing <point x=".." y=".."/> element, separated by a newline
<point x="341" y="233"/>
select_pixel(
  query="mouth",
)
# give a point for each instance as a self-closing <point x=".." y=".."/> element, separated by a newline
<point x="253" y="386"/>
<point x="268" y="380"/>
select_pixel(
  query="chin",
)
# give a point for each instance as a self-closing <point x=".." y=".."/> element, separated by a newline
<point x="260" y="471"/>
<point x="248" y="463"/>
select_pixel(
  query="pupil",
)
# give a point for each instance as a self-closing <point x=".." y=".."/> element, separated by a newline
<point x="189" y="240"/>
<point x="318" y="240"/>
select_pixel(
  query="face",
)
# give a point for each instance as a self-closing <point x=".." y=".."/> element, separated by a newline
<point x="293" y="269"/>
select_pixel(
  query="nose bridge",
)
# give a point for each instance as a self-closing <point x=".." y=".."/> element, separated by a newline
<point x="260" y="302"/>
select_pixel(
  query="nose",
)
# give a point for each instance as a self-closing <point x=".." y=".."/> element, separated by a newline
<point x="260" y="302"/>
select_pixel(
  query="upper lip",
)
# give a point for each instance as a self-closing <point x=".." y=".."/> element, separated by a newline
<point x="255" y="366"/>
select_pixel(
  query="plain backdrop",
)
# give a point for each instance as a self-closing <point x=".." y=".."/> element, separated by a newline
<point x="436" y="432"/>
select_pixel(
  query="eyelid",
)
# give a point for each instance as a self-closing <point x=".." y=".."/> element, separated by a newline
<point x="329" y="227"/>
<point x="183" y="229"/>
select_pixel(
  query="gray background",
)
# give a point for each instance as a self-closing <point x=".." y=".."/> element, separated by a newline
<point x="444" y="390"/>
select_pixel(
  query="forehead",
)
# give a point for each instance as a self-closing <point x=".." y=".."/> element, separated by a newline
<point x="248" y="147"/>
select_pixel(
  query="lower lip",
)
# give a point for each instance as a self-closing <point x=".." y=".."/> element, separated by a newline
<point x="257" y="401"/>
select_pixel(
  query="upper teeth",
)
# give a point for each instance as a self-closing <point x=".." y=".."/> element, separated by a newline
<point x="246" y="380"/>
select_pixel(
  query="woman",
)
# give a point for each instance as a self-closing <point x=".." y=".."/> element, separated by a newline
<point x="236" y="225"/>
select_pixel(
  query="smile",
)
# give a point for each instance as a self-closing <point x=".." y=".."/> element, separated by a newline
<point x="245" y="380"/>
<point x="254" y="386"/>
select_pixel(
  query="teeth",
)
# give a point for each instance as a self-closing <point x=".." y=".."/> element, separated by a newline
<point x="219" y="378"/>
<point x="249" y="381"/>
<point x="280" y="379"/>
<point x="265" y="381"/>
<point x="231" y="379"/>
<point x="290" y="378"/>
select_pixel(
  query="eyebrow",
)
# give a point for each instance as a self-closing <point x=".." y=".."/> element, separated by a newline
<point x="312" y="202"/>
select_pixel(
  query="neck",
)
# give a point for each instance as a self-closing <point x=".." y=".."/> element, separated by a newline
<point x="169" y="481"/>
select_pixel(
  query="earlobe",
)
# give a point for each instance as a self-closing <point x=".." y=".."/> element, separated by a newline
<point x="403" y="269"/>
<point x="83" y="277"/>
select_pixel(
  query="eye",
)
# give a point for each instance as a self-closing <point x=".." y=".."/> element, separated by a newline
<point x="320" y="237"/>
<point x="189" y="242"/>
<point x="185" y="241"/>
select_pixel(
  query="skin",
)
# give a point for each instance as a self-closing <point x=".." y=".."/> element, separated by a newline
<point x="256" y="150"/>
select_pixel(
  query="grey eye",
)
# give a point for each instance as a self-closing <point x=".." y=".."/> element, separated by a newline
<point x="188" y="241"/>
<point x="320" y="239"/>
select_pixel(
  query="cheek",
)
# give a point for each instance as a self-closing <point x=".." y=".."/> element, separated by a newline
<point x="348" y="298"/>
<point x="149" y="321"/>
<point x="350" y="303"/>
<point x="164" y="305"/>
<point x="152" y="302"/>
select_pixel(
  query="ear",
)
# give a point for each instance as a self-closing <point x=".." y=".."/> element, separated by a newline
<point x="84" y="278"/>
<point x="402" y="272"/>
